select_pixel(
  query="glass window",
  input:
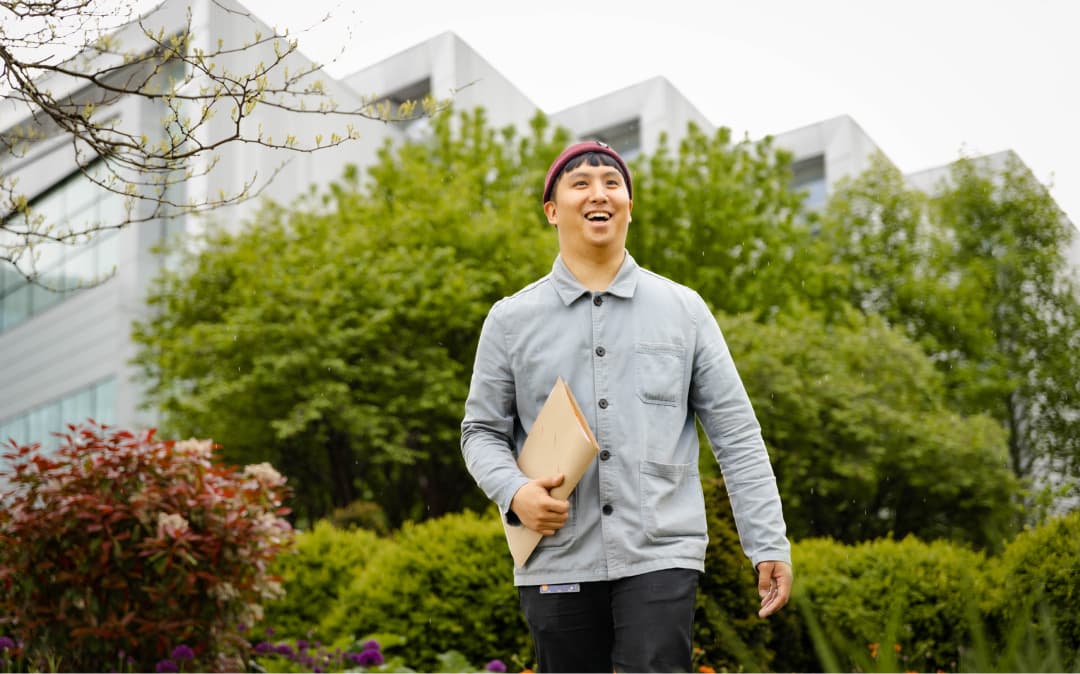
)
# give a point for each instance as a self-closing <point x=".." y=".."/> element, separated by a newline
<point x="808" y="175"/>
<point x="105" y="402"/>
<point x="82" y="407"/>
<point x="97" y="402"/>
<point x="107" y="248"/>
<point x="16" y="306"/>
<point x="42" y="296"/>
<point x="624" y="137"/>
<point x="14" y="429"/>
<point x="78" y="203"/>
<point x="36" y="426"/>
<point x="79" y="267"/>
<point x="414" y="92"/>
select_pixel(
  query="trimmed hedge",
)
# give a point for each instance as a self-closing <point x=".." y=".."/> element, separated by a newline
<point x="908" y="597"/>
<point x="1038" y="577"/>
<point x="726" y="626"/>
<point x="324" y="561"/>
<point x="445" y="584"/>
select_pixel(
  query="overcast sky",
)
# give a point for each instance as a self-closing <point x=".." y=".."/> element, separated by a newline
<point x="926" y="79"/>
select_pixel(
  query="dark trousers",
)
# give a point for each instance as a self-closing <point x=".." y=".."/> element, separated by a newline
<point x="636" y="624"/>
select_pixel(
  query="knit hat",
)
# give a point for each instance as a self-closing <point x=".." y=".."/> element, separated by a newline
<point x="578" y="149"/>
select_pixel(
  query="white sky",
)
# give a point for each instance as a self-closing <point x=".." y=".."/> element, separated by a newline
<point x="926" y="79"/>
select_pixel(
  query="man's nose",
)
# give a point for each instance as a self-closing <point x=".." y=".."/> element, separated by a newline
<point x="597" y="192"/>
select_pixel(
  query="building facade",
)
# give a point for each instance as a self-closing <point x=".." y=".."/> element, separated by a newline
<point x="65" y="353"/>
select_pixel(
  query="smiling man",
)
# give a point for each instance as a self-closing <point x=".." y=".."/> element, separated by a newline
<point x="612" y="584"/>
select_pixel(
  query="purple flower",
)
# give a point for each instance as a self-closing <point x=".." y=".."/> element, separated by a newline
<point x="241" y="627"/>
<point x="166" y="666"/>
<point x="264" y="647"/>
<point x="301" y="645"/>
<point x="496" y="666"/>
<point x="370" y="658"/>
<point x="7" y="644"/>
<point x="372" y="645"/>
<point x="183" y="652"/>
<point x="286" y="650"/>
<point x="316" y="669"/>
<point x="269" y="631"/>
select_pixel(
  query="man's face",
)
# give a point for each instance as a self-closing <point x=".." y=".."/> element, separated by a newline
<point x="591" y="207"/>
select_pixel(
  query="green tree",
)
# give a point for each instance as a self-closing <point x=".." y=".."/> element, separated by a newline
<point x="336" y="337"/>
<point x="721" y="218"/>
<point x="862" y="442"/>
<point x="976" y="275"/>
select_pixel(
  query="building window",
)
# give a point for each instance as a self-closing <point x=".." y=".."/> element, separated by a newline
<point x="415" y="92"/>
<point x="64" y="268"/>
<point x="97" y="402"/>
<point x="624" y="137"/>
<point x="808" y="175"/>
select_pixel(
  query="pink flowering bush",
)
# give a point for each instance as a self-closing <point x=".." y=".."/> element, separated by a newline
<point x="119" y="547"/>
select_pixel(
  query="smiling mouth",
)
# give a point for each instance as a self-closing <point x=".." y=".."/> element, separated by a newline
<point x="598" y="217"/>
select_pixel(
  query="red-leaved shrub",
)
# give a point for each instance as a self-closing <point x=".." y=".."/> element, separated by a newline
<point x="118" y="548"/>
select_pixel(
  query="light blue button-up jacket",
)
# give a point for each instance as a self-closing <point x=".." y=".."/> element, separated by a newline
<point x="642" y="358"/>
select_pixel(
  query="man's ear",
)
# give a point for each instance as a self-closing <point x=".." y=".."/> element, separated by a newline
<point x="551" y="213"/>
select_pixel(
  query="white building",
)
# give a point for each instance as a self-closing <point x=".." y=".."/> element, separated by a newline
<point x="66" y="356"/>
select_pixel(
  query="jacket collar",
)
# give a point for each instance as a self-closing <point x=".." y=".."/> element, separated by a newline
<point x="570" y="289"/>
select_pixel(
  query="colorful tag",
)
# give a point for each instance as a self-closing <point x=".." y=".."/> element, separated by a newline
<point x="560" y="589"/>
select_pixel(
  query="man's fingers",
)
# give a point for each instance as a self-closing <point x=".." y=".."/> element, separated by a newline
<point x="551" y="481"/>
<point x="766" y="582"/>
<point x="774" y="586"/>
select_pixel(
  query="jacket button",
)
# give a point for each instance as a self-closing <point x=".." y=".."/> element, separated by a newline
<point x="600" y="351"/>
<point x="605" y="455"/>
<point x="602" y="403"/>
<point x="607" y="509"/>
<point x="598" y="300"/>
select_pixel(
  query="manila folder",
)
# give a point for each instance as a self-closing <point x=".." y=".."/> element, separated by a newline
<point x="559" y="441"/>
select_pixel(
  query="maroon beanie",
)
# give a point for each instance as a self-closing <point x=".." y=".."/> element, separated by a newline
<point x="578" y="149"/>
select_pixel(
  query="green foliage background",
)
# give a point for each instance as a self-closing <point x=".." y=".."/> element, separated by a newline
<point x="446" y="584"/>
<point x="913" y="358"/>
<point x="910" y="356"/>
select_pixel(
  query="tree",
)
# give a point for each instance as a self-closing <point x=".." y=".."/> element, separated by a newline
<point x="721" y="218"/>
<point x="1008" y="247"/>
<point x="977" y="275"/>
<point x="69" y="65"/>
<point x="862" y="441"/>
<point x="336" y="337"/>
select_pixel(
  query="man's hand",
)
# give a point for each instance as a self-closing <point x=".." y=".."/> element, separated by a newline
<point x="774" y="586"/>
<point x="535" y="507"/>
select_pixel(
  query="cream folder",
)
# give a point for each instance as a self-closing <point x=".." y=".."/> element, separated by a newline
<point x="560" y="441"/>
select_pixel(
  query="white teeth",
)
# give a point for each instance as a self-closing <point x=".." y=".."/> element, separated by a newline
<point x="597" y="216"/>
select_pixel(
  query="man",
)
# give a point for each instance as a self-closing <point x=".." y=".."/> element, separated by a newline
<point x="612" y="583"/>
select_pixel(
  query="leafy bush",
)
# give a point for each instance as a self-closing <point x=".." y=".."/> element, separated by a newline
<point x="911" y="598"/>
<point x="862" y="441"/>
<point x="323" y="562"/>
<point x="726" y="626"/>
<point x="118" y="543"/>
<point x="446" y="584"/>
<point x="1037" y="578"/>
<point x="363" y="514"/>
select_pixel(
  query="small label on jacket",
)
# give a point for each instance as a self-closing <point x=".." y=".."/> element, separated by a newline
<point x="560" y="589"/>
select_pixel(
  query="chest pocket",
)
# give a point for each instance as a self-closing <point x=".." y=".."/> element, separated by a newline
<point x="658" y="373"/>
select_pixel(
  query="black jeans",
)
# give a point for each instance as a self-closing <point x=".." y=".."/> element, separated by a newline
<point x="636" y="624"/>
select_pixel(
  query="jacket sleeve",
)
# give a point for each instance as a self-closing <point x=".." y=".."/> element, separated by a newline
<point x="487" y="431"/>
<point x="720" y="401"/>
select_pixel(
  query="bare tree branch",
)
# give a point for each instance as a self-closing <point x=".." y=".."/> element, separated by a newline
<point x="211" y="93"/>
